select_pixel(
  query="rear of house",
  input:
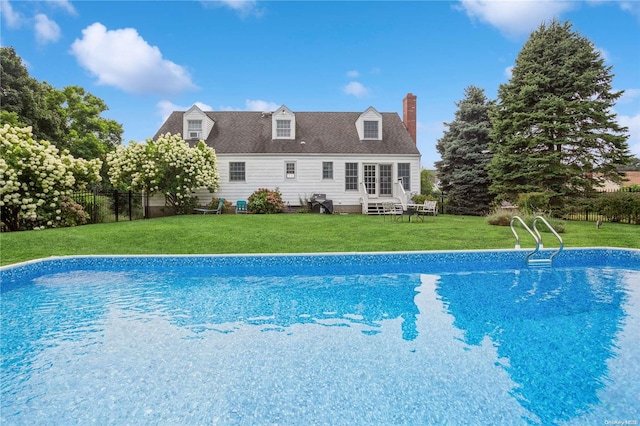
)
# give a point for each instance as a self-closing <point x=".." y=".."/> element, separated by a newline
<point x="357" y="159"/>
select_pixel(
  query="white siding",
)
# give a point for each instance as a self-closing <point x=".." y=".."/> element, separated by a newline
<point x="268" y="171"/>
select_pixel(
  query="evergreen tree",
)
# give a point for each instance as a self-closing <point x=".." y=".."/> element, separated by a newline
<point x="553" y="129"/>
<point x="464" y="150"/>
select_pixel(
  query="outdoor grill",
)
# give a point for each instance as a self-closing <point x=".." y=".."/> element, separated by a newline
<point x="320" y="204"/>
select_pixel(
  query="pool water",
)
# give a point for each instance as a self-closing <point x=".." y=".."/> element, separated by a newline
<point x="370" y="339"/>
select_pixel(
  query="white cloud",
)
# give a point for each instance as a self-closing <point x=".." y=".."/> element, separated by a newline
<point x="353" y="74"/>
<point x="12" y="18"/>
<point x="633" y="123"/>
<point x="123" y="59"/>
<point x="508" y="71"/>
<point x="632" y="7"/>
<point x="629" y="96"/>
<point x="253" y="105"/>
<point x="514" y="18"/>
<point x="64" y="4"/>
<point x="603" y="53"/>
<point x="242" y="7"/>
<point x="47" y="31"/>
<point x="356" y="89"/>
<point x="259" y="105"/>
<point x="165" y="108"/>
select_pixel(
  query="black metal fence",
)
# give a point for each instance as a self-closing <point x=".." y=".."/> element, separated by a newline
<point x="111" y="206"/>
<point x="614" y="205"/>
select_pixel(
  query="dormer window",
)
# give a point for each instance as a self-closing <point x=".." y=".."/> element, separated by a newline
<point x="369" y="125"/>
<point x="194" y="129"/>
<point x="371" y="130"/>
<point x="283" y="129"/>
<point x="196" y="125"/>
<point x="283" y="124"/>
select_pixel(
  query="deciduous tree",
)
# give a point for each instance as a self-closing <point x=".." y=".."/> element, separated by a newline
<point x="70" y="118"/>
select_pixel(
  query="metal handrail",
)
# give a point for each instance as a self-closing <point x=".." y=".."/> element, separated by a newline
<point x="535" y="237"/>
<point x="535" y="228"/>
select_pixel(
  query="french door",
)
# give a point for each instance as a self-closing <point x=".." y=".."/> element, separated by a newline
<point x="378" y="179"/>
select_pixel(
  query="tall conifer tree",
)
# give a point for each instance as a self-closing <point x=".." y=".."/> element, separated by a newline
<point x="464" y="152"/>
<point x="554" y="129"/>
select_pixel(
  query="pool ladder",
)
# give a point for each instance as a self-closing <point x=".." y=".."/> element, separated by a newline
<point x="538" y="238"/>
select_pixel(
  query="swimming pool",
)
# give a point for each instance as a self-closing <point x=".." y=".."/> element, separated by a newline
<point x="395" y="338"/>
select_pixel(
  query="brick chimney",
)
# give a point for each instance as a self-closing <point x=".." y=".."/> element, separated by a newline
<point x="409" y="114"/>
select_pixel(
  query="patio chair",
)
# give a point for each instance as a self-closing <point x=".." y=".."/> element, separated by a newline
<point x="214" y="211"/>
<point x="241" y="206"/>
<point x="429" y="208"/>
<point x="393" y="210"/>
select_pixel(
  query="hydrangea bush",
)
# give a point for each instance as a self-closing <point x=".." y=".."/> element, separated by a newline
<point x="265" y="201"/>
<point x="167" y="165"/>
<point x="36" y="179"/>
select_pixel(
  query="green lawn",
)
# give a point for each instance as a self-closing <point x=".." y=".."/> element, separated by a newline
<point x="293" y="233"/>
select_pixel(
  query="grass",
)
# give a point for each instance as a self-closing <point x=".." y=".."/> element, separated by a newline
<point x="292" y="233"/>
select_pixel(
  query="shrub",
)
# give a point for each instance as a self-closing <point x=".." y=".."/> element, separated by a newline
<point x="503" y="217"/>
<point x="534" y="202"/>
<point x="34" y="178"/>
<point x="421" y="198"/>
<point x="616" y="206"/>
<point x="167" y="165"/>
<point x="187" y="204"/>
<point x="304" y="204"/>
<point x="71" y="213"/>
<point x="226" y="206"/>
<point x="265" y="201"/>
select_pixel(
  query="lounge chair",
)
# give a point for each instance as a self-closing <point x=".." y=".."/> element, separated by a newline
<point x="429" y="208"/>
<point x="241" y="206"/>
<point x="213" y="211"/>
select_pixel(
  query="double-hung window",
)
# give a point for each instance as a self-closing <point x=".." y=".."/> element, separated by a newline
<point x="283" y="128"/>
<point x="351" y="176"/>
<point x="194" y="129"/>
<point x="237" y="172"/>
<point x="327" y="170"/>
<point x="370" y="129"/>
<point x="404" y="173"/>
<point x="290" y="170"/>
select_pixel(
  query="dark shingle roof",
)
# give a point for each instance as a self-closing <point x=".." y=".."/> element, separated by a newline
<point x="238" y="132"/>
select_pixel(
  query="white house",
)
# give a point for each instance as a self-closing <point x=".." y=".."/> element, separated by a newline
<point x="358" y="159"/>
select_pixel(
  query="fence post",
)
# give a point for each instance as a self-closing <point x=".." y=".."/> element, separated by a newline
<point x="130" y="210"/>
<point x="116" y="204"/>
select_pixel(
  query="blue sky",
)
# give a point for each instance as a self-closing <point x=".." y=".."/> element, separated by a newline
<point x="148" y="58"/>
